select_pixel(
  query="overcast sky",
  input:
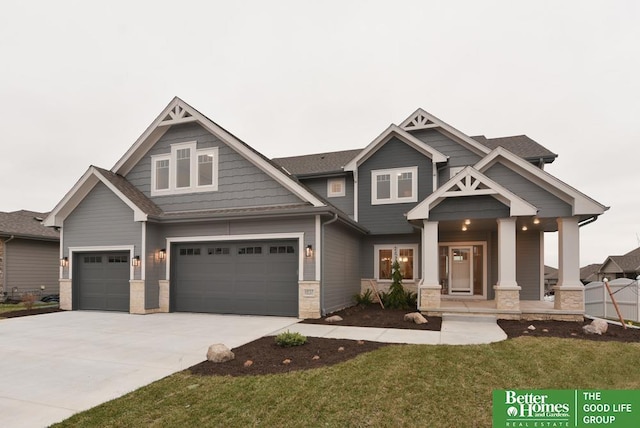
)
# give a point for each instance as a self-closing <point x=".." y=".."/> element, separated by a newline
<point x="79" y="83"/>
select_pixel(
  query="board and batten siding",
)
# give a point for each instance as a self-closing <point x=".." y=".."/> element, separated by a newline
<point x="343" y="203"/>
<point x="240" y="183"/>
<point x="31" y="264"/>
<point x="472" y="207"/>
<point x="154" y="268"/>
<point x="341" y="267"/>
<point x="528" y="264"/>
<point x="548" y="205"/>
<point x="305" y="225"/>
<point x="100" y="220"/>
<point x="391" y="218"/>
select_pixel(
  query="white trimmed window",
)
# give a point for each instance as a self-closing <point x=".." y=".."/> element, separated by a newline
<point x="407" y="256"/>
<point x="185" y="170"/>
<point x="335" y="187"/>
<point x="394" y="186"/>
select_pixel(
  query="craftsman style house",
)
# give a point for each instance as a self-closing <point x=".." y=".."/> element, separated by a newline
<point x="193" y="219"/>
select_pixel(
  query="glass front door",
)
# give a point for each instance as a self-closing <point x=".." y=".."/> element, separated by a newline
<point x="461" y="271"/>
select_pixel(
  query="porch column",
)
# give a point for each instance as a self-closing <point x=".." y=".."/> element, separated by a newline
<point x="569" y="292"/>
<point x="507" y="291"/>
<point x="430" y="288"/>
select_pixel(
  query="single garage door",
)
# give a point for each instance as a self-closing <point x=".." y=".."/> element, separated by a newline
<point x="252" y="278"/>
<point x="101" y="281"/>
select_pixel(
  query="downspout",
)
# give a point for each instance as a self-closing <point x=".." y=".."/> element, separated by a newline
<point x="333" y="220"/>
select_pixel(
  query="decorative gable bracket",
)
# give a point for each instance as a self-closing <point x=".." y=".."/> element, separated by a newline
<point x="419" y="120"/>
<point x="177" y="114"/>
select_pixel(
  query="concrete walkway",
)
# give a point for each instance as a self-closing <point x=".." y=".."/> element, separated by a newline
<point x="455" y="330"/>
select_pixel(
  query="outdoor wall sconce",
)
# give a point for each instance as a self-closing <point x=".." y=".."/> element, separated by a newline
<point x="135" y="262"/>
<point x="64" y="262"/>
<point x="162" y="254"/>
<point x="308" y="251"/>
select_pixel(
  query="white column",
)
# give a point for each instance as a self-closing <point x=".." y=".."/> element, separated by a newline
<point x="430" y="288"/>
<point x="507" y="252"/>
<point x="568" y="252"/>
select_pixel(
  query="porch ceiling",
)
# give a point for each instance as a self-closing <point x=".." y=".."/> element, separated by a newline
<point x="491" y="225"/>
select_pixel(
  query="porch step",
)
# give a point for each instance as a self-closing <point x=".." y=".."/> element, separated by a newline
<point x="448" y="316"/>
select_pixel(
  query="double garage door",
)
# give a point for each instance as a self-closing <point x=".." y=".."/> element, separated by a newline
<point x="257" y="278"/>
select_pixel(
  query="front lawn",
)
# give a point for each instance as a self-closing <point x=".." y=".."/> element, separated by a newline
<point x="13" y="307"/>
<point x="407" y="385"/>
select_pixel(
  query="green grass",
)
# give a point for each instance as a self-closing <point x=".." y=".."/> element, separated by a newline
<point x="11" y="307"/>
<point x="413" y="385"/>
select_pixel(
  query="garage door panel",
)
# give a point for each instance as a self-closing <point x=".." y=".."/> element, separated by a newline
<point x="102" y="281"/>
<point x="239" y="277"/>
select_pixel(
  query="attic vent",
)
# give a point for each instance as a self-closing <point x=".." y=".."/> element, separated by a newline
<point x="419" y="121"/>
<point x="177" y="115"/>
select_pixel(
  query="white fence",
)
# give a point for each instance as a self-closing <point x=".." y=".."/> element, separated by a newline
<point x="597" y="301"/>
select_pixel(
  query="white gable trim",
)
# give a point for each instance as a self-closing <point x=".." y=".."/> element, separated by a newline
<point x="402" y="135"/>
<point x="470" y="182"/>
<point x="421" y="119"/>
<point x="77" y="194"/>
<point x="581" y="204"/>
<point x="180" y="112"/>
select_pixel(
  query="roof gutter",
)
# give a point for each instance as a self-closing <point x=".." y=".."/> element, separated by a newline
<point x="588" y="221"/>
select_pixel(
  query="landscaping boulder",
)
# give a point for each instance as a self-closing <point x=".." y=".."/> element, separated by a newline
<point x="219" y="353"/>
<point x="597" y="326"/>
<point x="335" y="318"/>
<point x="416" y="317"/>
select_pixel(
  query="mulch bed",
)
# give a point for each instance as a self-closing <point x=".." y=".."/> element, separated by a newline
<point x="267" y="357"/>
<point x="26" y="312"/>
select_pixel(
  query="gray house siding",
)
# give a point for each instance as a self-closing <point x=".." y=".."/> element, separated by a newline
<point x="458" y="154"/>
<point x="343" y="203"/>
<point x="547" y="204"/>
<point x="472" y="207"/>
<point x="154" y="268"/>
<point x="341" y="267"/>
<point x="31" y="264"/>
<point x="390" y="218"/>
<point x="528" y="265"/>
<point x="367" y="256"/>
<point x="240" y="183"/>
<point x="305" y="225"/>
<point x="102" y="219"/>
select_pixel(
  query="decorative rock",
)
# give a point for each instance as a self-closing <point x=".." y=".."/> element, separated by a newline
<point x="340" y="349"/>
<point x="597" y="326"/>
<point x="218" y="353"/>
<point x="248" y="363"/>
<point x="360" y="342"/>
<point x="334" y="318"/>
<point x="287" y="361"/>
<point x="531" y="327"/>
<point x="416" y="317"/>
<point x="545" y="330"/>
<point x="316" y="357"/>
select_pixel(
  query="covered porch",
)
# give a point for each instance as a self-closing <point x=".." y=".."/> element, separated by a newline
<point x="528" y="310"/>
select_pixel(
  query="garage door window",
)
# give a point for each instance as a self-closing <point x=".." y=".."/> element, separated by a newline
<point x="282" y="249"/>
<point x="118" y="259"/>
<point x="250" y="250"/>
<point x="189" y="251"/>
<point x="92" y="259"/>
<point x="218" y="251"/>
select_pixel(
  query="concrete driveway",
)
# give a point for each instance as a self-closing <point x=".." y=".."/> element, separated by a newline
<point x="58" y="364"/>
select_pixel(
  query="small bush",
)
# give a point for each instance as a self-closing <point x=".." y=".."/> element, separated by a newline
<point x="289" y="339"/>
<point x="364" y="299"/>
<point x="29" y="299"/>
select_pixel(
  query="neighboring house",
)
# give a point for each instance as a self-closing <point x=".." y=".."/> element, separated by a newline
<point x="29" y="254"/>
<point x="193" y="219"/>
<point x="626" y="266"/>
<point x="589" y="273"/>
<point x="550" y="278"/>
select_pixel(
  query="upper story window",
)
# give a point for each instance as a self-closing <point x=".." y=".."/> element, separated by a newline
<point x="335" y="187"/>
<point x="185" y="170"/>
<point x="394" y="186"/>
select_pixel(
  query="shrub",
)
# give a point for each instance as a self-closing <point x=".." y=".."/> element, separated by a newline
<point x="364" y="299"/>
<point x="396" y="298"/>
<point x="289" y="339"/>
<point x="29" y="299"/>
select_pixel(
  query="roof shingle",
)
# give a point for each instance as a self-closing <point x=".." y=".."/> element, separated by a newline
<point x="26" y="224"/>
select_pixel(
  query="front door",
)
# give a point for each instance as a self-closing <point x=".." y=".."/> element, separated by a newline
<point x="461" y="272"/>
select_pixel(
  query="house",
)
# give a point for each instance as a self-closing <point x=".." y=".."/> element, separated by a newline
<point x="625" y="266"/>
<point x="29" y="254"/>
<point x="589" y="273"/>
<point x="191" y="218"/>
<point x="550" y="278"/>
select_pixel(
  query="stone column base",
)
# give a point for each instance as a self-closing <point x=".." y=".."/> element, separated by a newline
<point x="507" y="297"/>
<point x="569" y="298"/>
<point x="164" y="295"/>
<point x="430" y="296"/>
<point x="309" y="299"/>
<point x="136" y="297"/>
<point x="66" y="295"/>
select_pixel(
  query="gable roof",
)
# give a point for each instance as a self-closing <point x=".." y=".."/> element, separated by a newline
<point x="520" y="145"/>
<point x="581" y="204"/>
<point x="470" y="182"/>
<point x="589" y="273"/>
<point x="402" y="135"/>
<point x="178" y="112"/>
<point x="629" y="262"/>
<point x="26" y="224"/>
<point x="318" y="163"/>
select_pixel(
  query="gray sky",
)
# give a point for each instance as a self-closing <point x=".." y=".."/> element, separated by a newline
<point x="79" y="82"/>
